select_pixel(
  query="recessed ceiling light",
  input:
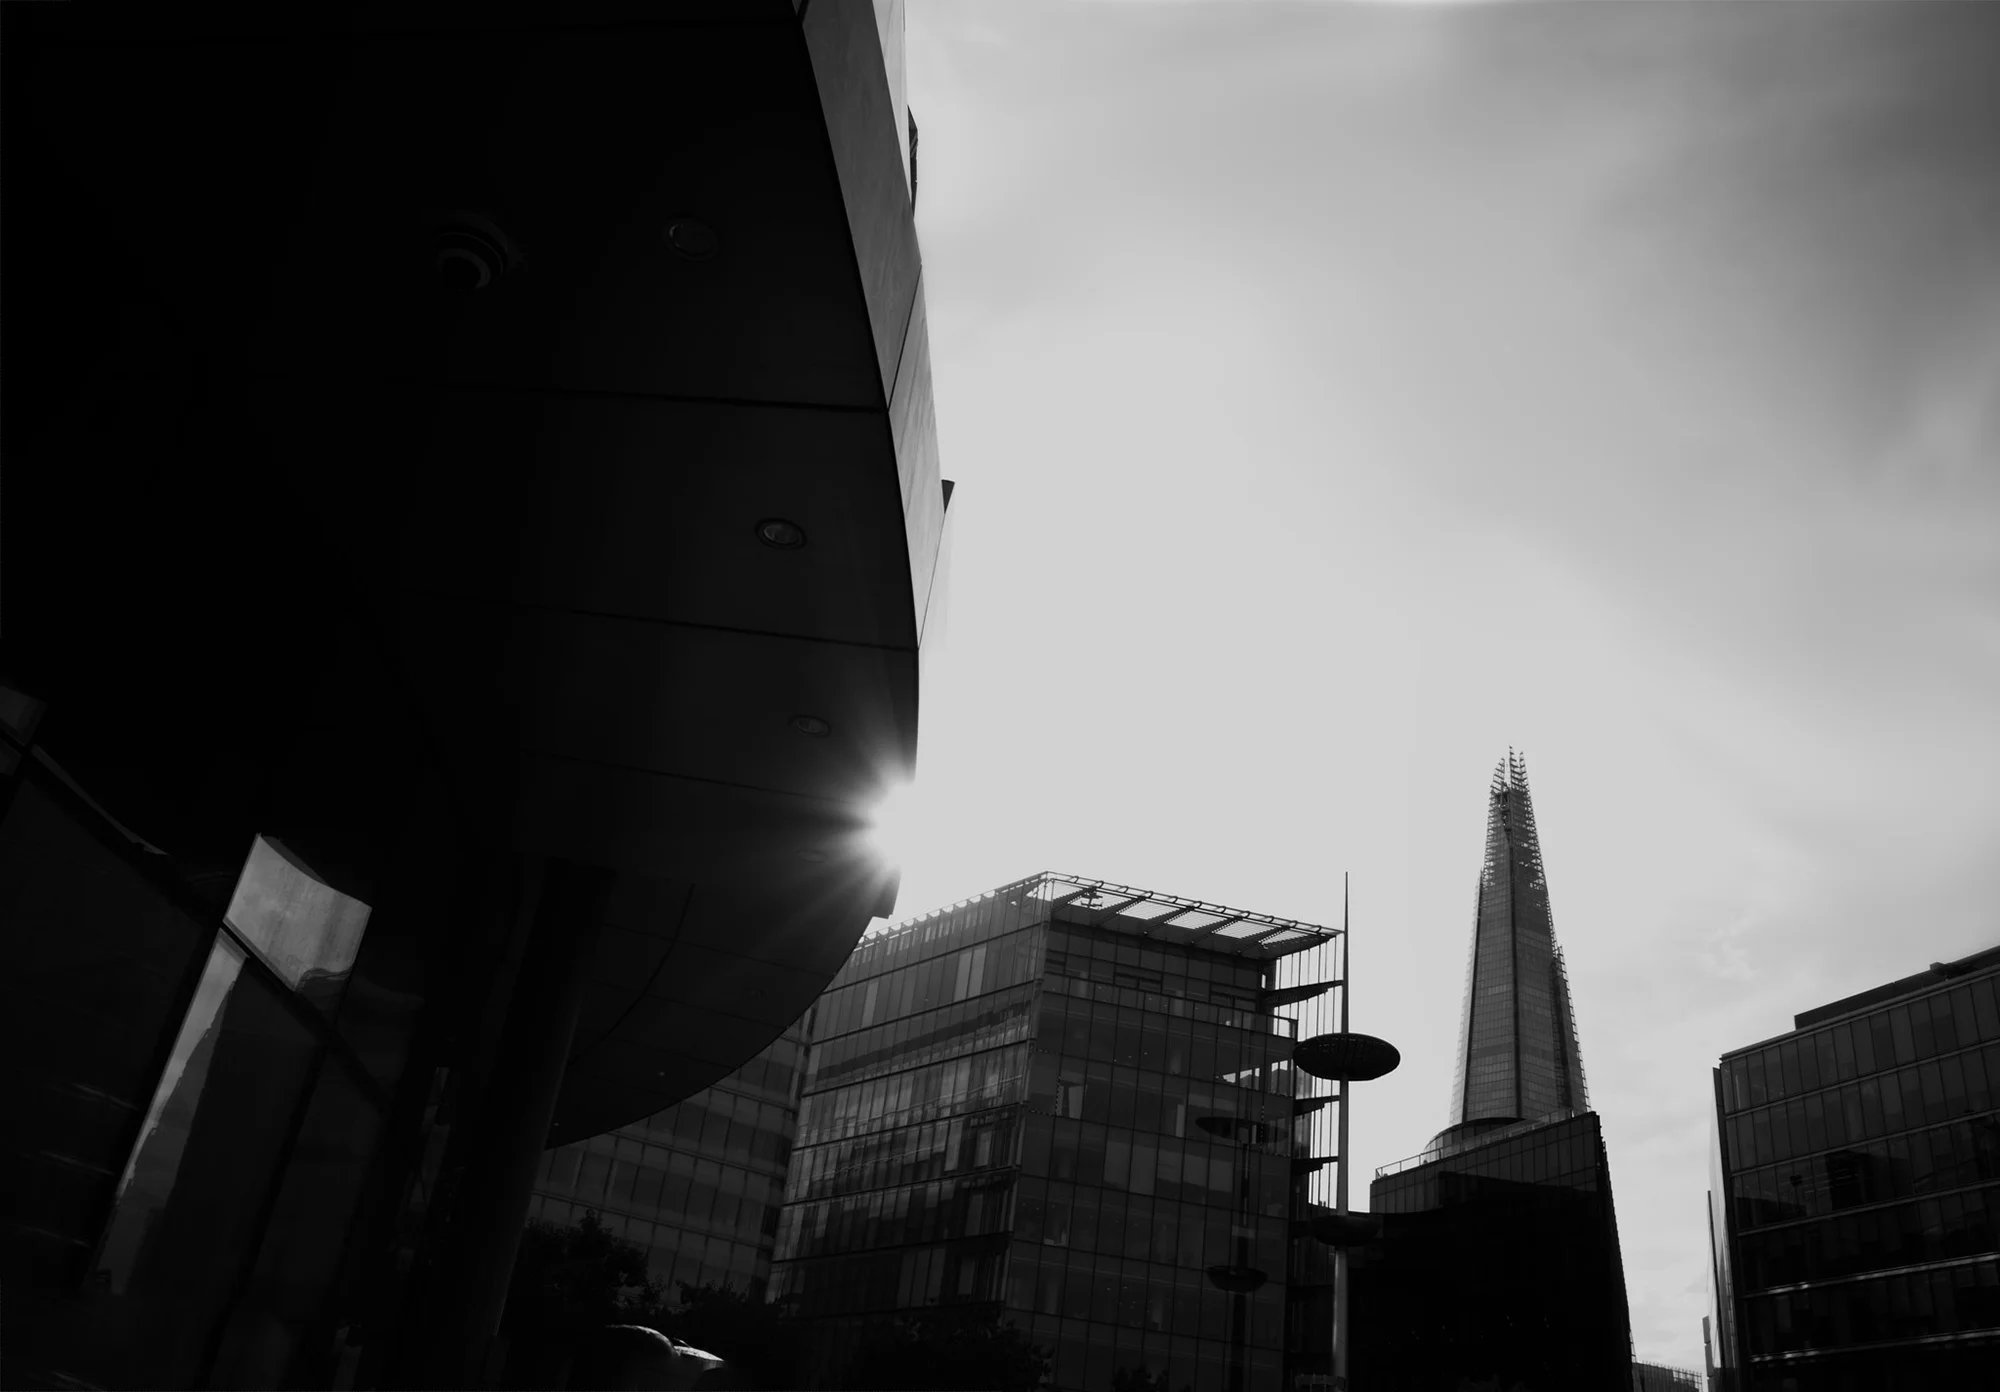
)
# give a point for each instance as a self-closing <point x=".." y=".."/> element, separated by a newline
<point x="472" y="252"/>
<point x="811" y="725"/>
<point x="776" y="531"/>
<point x="693" y="239"/>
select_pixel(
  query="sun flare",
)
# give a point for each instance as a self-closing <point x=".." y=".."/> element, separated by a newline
<point x="893" y="825"/>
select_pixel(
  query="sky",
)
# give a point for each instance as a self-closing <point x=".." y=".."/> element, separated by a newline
<point x="1339" y="395"/>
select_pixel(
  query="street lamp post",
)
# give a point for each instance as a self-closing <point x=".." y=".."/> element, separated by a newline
<point x="1340" y="1339"/>
<point x="1344" y="1058"/>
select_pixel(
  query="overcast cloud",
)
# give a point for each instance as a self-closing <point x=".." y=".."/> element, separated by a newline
<point x="1339" y="395"/>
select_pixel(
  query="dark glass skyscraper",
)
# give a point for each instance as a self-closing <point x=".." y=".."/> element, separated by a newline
<point x="1517" y="1049"/>
<point x="1854" y="1205"/>
<point x="1497" y="1251"/>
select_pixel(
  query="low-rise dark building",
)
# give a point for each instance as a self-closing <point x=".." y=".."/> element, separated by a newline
<point x="1658" y="1377"/>
<point x="1499" y="1260"/>
<point x="1854" y="1207"/>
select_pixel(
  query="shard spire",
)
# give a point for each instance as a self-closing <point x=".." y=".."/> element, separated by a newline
<point x="1517" y="1047"/>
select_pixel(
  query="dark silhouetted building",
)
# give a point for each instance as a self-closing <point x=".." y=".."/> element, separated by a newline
<point x="1658" y="1377"/>
<point x="697" y="1186"/>
<point x="472" y="521"/>
<point x="1497" y="1252"/>
<point x="1069" y="1102"/>
<point x="1854" y="1204"/>
<point x="1497" y="1259"/>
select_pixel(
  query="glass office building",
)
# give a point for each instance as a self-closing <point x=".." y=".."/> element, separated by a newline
<point x="699" y="1185"/>
<point x="1066" y="1100"/>
<point x="1855" y="1192"/>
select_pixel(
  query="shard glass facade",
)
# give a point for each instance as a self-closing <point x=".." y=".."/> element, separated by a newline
<point x="1497" y="1259"/>
<point x="1517" y="1049"/>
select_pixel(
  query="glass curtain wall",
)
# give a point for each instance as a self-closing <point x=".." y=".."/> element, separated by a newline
<point x="1157" y="1147"/>
<point x="902" y="1188"/>
<point x="1036" y="1103"/>
<point x="1862" y="1165"/>
<point x="698" y="1185"/>
<point x="204" y="1132"/>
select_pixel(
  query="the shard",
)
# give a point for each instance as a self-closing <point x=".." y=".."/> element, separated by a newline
<point x="1499" y="1262"/>
<point x="1517" y="1050"/>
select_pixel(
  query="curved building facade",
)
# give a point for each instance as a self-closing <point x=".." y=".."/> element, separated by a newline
<point x="474" y="471"/>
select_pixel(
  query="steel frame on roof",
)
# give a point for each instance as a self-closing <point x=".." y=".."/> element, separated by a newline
<point x="1273" y="937"/>
<point x="1235" y="931"/>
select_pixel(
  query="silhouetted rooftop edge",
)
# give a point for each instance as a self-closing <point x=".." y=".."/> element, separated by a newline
<point x="1938" y="973"/>
<point x="1147" y="913"/>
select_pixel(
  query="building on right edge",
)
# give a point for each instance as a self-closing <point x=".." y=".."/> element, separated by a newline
<point x="1497" y="1249"/>
<point x="1854" y="1203"/>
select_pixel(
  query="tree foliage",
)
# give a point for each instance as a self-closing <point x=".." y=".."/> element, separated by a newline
<point x="571" y="1279"/>
<point x="949" y="1349"/>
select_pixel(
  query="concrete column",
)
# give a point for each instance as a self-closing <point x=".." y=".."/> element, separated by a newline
<point x="504" y="1147"/>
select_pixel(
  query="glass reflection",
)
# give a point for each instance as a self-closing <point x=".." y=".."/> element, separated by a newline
<point x="307" y="931"/>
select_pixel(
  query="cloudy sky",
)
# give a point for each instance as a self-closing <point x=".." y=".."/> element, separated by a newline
<point x="1341" y="394"/>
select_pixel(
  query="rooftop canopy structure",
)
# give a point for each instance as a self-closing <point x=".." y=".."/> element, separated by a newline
<point x="1168" y="917"/>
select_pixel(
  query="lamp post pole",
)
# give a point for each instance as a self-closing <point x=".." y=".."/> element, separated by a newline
<point x="1344" y="1058"/>
<point x="1340" y="1339"/>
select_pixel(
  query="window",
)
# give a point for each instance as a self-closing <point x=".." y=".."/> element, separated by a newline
<point x="1914" y="1111"/>
<point x="1118" y="1161"/>
<point x="1978" y="1087"/>
<point x="1986" y="1007"/>
<point x="1923" y="1035"/>
<point x="1904" y="1040"/>
<point x="1788" y="1064"/>
<point x="1875" y="1120"/>
<point x="1815" y="1123"/>
<point x="1931" y="1079"/>
<point x="1944" y="1029"/>
<point x="590" y="1179"/>
<point x="1964" y="1023"/>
